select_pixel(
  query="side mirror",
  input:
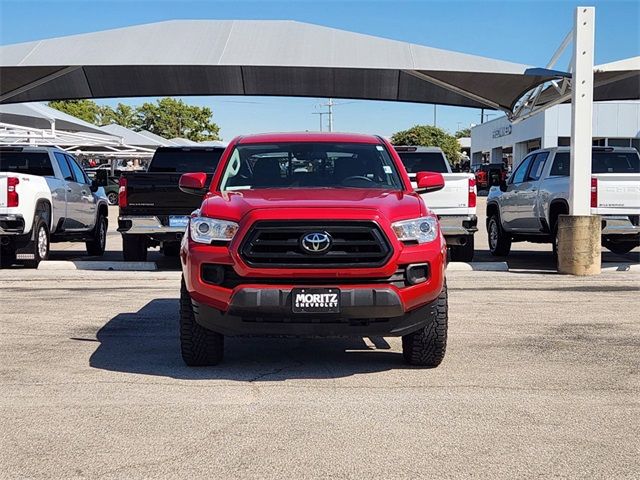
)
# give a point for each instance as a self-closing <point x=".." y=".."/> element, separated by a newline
<point x="429" y="182"/>
<point x="503" y="186"/>
<point x="193" y="183"/>
<point x="101" y="178"/>
<point x="95" y="185"/>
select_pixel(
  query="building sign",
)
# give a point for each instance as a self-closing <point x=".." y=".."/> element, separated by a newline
<point x="502" y="132"/>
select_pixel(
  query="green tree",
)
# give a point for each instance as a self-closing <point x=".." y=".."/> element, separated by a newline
<point x="170" y="117"/>
<point x="429" y="136"/>
<point x="86" y="110"/>
<point x="465" y="132"/>
<point x="124" y="115"/>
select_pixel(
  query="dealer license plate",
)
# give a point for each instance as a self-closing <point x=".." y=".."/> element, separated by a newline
<point x="315" y="300"/>
<point x="180" y="221"/>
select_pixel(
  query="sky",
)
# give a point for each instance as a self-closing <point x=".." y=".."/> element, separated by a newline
<point x="525" y="32"/>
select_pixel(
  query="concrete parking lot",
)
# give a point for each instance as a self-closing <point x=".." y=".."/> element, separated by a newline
<point x="540" y="379"/>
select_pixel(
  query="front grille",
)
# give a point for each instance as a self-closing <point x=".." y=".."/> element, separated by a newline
<point x="225" y="276"/>
<point x="277" y="245"/>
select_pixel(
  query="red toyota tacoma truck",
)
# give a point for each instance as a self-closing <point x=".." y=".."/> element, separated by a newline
<point x="312" y="235"/>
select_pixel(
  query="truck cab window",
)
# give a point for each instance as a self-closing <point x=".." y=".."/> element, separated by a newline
<point x="64" y="166"/>
<point x="560" y="167"/>
<point x="521" y="172"/>
<point x="538" y="166"/>
<point x="78" y="174"/>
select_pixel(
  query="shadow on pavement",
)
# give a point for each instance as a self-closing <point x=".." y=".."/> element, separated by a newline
<point x="146" y="342"/>
<point x="163" y="263"/>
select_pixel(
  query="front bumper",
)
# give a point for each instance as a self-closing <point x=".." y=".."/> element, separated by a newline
<point x="619" y="225"/>
<point x="457" y="225"/>
<point x="364" y="312"/>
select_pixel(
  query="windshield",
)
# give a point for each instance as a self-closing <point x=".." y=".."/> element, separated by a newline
<point x="308" y="165"/>
<point x="184" y="160"/>
<point x="416" y="162"/>
<point x="30" y="163"/>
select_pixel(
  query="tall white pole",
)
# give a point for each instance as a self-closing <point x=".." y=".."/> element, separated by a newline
<point x="330" y="105"/>
<point x="582" y="111"/>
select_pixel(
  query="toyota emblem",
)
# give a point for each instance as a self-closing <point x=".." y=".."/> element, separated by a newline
<point x="316" y="242"/>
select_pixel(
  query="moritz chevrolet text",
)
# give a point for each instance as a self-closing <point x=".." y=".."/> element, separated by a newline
<point x="312" y="234"/>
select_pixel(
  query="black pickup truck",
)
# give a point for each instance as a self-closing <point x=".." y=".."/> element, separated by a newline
<point x="153" y="210"/>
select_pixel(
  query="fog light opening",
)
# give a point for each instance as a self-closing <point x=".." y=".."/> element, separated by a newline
<point x="417" y="273"/>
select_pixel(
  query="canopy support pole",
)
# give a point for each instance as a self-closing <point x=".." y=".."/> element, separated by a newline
<point x="578" y="234"/>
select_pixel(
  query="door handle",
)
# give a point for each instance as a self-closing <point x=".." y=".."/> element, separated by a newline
<point x="69" y="190"/>
<point x="84" y="192"/>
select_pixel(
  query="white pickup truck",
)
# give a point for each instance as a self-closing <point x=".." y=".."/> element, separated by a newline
<point x="455" y="204"/>
<point x="46" y="197"/>
<point x="526" y="207"/>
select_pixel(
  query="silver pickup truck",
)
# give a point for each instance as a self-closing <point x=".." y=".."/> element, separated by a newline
<point x="526" y="207"/>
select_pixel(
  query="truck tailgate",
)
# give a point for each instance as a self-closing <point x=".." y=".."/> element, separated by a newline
<point x="157" y="194"/>
<point x="618" y="194"/>
<point x="453" y="199"/>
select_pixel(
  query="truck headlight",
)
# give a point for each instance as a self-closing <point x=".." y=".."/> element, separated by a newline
<point x="421" y="230"/>
<point x="207" y="230"/>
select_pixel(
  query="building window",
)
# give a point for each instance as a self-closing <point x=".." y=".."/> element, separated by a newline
<point x="564" y="141"/>
<point x="533" y="145"/>
<point x="599" y="142"/>
<point x="619" y="142"/>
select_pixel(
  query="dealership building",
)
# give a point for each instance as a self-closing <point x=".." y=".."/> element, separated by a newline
<point x="615" y="124"/>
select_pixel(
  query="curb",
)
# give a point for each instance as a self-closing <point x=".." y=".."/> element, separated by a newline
<point x="620" y="267"/>
<point x="478" y="267"/>
<point x="108" y="266"/>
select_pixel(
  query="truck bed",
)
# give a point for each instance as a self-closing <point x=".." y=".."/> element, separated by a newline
<point x="453" y="199"/>
<point x="618" y="194"/>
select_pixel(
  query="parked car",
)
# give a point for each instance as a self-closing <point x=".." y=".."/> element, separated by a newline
<point x="489" y="174"/>
<point x="46" y="197"/>
<point x="153" y="210"/>
<point x="111" y="186"/>
<point x="455" y="204"/>
<point x="527" y="206"/>
<point x="312" y="234"/>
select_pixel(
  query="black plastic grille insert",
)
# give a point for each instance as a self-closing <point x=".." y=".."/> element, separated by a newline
<point x="276" y="244"/>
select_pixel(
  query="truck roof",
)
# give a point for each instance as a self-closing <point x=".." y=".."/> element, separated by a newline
<point x="417" y="149"/>
<point x="304" y="137"/>
<point x="594" y="149"/>
<point x="31" y="148"/>
<point x="187" y="148"/>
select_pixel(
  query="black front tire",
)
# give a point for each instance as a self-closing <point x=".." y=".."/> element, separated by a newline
<point x="134" y="248"/>
<point x="171" y="249"/>
<point x="7" y="256"/>
<point x="463" y="253"/>
<point x="426" y="347"/>
<point x="40" y="245"/>
<point x="620" y="248"/>
<point x="499" y="240"/>
<point x="199" y="347"/>
<point x="97" y="245"/>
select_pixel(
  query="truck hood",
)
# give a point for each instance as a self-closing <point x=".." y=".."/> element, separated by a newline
<point x="394" y="205"/>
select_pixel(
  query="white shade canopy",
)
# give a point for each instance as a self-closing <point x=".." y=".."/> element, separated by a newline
<point x="39" y="115"/>
<point x="245" y="57"/>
